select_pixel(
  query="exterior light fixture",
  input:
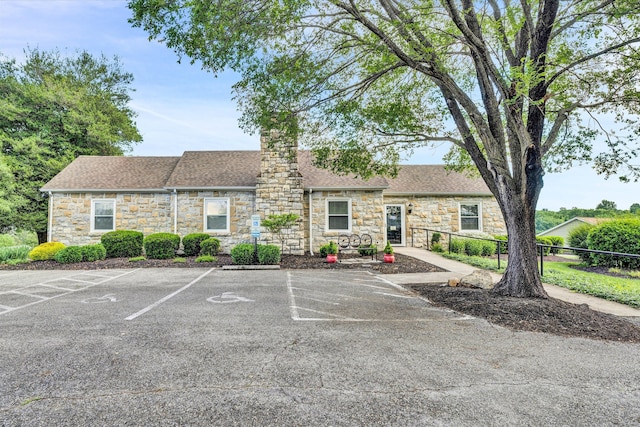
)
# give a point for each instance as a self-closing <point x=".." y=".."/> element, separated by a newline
<point x="410" y="208"/>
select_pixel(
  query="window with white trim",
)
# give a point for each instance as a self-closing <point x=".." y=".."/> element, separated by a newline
<point x="470" y="217"/>
<point x="216" y="214"/>
<point x="103" y="216"/>
<point x="339" y="215"/>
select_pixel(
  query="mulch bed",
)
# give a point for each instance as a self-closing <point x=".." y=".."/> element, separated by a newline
<point x="522" y="314"/>
<point x="403" y="264"/>
<point x="532" y="314"/>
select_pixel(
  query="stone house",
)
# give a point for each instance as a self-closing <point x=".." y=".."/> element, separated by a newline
<point x="217" y="192"/>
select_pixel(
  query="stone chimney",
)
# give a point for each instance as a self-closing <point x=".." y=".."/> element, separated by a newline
<point x="279" y="186"/>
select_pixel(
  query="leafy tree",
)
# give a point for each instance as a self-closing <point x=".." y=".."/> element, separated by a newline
<point x="506" y="83"/>
<point x="278" y="223"/>
<point x="635" y="208"/>
<point x="546" y="219"/>
<point x="54" y="108"/>
<point x="607" y="205"/>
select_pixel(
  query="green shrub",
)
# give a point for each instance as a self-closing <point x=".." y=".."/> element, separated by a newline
<point x="242" y="254"/>
<point x="324" y="250"/>
<point x="93" y="252"/>
<point x="578" y="239"/>
<point x="541" y="240"/>
<point x="46" y="251"/>
<point x="69" y="255"/>
<point x="14" y="253"/>
<point x="7" y="240"/>
<point x="473" y="247"/>
<point x="367" y="250"/>
<point x="122" y="243"/>
<point x="210" y="246"/>
<point x="488" y="247"/>
<point x="504" y="247"/>
<point x="456" y="245"/>
<point x="329" y="248"/>
<point x="268" y="255"/>
<point x="435" y="238"/>
<point x="206" y="258"/>
<point x="161" y="245"/>
<point x="616" y="236"/>
<point x="27" y="238"/>
<point x="556" y="241"/>
<point x="437" y="247"/>
<point x="192" y="242"/>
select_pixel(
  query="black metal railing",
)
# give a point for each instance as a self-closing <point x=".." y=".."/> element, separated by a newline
<point x="541" y="247"/>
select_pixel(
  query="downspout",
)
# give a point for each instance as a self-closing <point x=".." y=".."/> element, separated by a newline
<point x="50" y="225"/>
<point x="175" y="211"/>
<point x="311" y="221"/>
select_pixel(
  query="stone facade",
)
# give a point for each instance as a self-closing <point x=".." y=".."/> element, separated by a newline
<point x="367" y="216"/>
<point x="71" y="219"/>
<point x="279" y="187"/>
<point x="443" y="214"/>
<point x="190" y="217"/>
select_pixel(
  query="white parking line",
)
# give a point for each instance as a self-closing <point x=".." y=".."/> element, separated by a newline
<point x="171" y="295"/>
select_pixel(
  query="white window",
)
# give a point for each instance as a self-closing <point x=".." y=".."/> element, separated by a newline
<point x="216" y="214"/>
<point x="103" y="215"/>
<point x="470" y="217"/>
<point x="339" y="215"/>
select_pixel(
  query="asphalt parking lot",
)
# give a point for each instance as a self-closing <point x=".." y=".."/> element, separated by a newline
<point x="193" y="347"/>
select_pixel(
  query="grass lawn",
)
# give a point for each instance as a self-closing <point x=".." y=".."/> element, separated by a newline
<point x="622" y="290"/>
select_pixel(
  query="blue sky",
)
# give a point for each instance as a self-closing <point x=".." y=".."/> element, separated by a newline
<point x="180" y="107"/>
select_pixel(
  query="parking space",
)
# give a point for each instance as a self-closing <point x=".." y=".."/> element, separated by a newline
<point x="356" y="297"/>
<point x="22" y="291"/>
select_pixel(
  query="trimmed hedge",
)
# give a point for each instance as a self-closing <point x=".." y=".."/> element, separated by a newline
<point x="268" y="255"/>
<point x="161" y="245"/>
<point x="46" y="251"/>
<point x="242" y="254"/>
<point x="69" y="255"/>
<point x="504" y="247"/>
<point x="578" y="239"/>
<point x="123" y="243"/>
<point x="616" y="236"/>
<point x="544" y="241"/>
<point x="93" y="252"/>
<point x="210" y="246"/>
<point x="556" y="241"/>
<point x="191" y="243"/>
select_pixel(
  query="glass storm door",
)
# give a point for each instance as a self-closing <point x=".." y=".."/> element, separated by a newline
<point x="395" y="224"/>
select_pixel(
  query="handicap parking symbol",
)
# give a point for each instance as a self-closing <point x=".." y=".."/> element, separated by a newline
<point x="227" y="297"/>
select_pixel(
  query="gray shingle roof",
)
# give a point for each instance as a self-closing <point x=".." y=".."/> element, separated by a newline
<point x="211" y="169"/>
<point x="239" y="169"/>
<point x="434" y="179"/>
<point x="113" y="173"/>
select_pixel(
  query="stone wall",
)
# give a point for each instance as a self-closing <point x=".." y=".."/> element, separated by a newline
<point x="241" y="207"/>
<point x="367" y="216"/>
<point x="443" y="214"/>
<point x="146" y="212"/>
<point x="279" y="187"/>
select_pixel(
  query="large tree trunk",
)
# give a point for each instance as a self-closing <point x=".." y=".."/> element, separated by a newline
<point x="42" y="237"/>
<point x="521" y="277"/>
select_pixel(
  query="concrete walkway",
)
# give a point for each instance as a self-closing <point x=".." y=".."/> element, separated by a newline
<point x="458" y="269"/>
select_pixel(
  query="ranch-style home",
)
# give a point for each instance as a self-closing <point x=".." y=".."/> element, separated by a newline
<point x="217" y="192"/>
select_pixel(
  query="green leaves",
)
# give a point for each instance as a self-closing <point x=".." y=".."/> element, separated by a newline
<point x="54" y="108"/>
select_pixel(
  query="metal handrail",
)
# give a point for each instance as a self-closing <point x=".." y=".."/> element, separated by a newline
<point x="540" y="246"/>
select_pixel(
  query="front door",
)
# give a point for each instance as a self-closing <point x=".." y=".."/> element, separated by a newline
<point x="395" y="224"/>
